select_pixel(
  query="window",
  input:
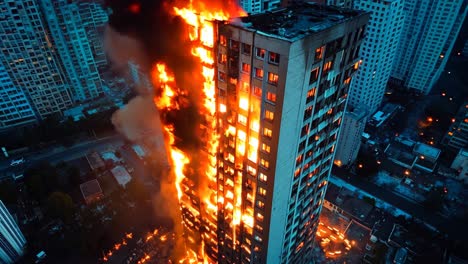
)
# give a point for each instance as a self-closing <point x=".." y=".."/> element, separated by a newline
<point x="259" y="73"/>
<point x="310" y="95"/>
<point x="251" y="170"/>
<point x="246" y="67"/>
<point x="222" y="40"/>
<point x="242" y="119"/>
<point x="245" y="87"/>
<point x="267" y="132"/>
<point x="260" y="204"/>
<point x="262" y="177"/>
<point x="273" y="57"/>
<point x="258" y="91"/>
<point x="260" y="53"/>
<point x="265" y="163"/>
<point x="246" y="49"/>
<point x="222" y="76"/>
<point x="222" y="58"/>
<point x="273" y="78"/>
<point x="313" y="75"/>
<point x="244" y="103"/>
<point x="265" y="148"/>
<point x="234" y="45"/>
<point x="327" y="66"/>
<point x="319" y="53"/>
<point x="261" y="191"/>
<point x="271" y="97"/>
<point x="269" y="115"/>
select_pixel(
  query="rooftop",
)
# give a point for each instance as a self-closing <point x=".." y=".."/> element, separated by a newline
<point x="427" y="151"/>
<point x="299" y="20"/>
<point x="121" y="175"/>
<point x="90" y="188"/>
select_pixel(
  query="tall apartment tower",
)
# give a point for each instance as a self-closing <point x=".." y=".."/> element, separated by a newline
<point x="349" y="142"/>
<point x="282" y="83"/>
<point x="12" y="241"/>
<point x="429" y="33"/>
<point x="69" y="37"/>
<point x="29" y="58"/>
<point x="259" y="6"/>
<point x="378" y="52"/>
<point x="15" y="109"/>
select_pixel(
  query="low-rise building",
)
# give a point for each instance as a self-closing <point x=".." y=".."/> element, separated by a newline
<point x="91" y="191"/>
<point x="95" y="161"/>
<point x="121" y="175"/>
<point x="460" y="164"/>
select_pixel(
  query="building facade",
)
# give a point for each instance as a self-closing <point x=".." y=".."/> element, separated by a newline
<point x="30" y="59"/>
<point x="429" y="33"/>
<point x="15" y="109"/>
<point x="378" y="52"/>
<point x="349" y="142"/>
<point x="69" y="37"/>
<point x="258" y="6"/>
<point x="12" y="241"/>
<point x="457" y="135"/>
<point x="280" y="96"/>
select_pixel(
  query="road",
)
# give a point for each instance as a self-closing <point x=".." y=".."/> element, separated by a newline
<point x="416" y="210"/>
<point x="57" y="154"/>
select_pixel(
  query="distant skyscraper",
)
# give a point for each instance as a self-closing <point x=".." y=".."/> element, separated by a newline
<point x="69" y="37"/>
<point x="258" y="6"/>
<point x="29" y="58"/>
<point x="378" y="52"/>
<point x="349" y="141"/>
<point x="12" y="241"/>
<point x="280" y="95"/>
<point x="429" y="33"/>
<point x="15" y="108"/>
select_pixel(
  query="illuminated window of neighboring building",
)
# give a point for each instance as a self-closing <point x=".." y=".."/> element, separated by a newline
<point x="262" y="177"/>
<point x="327" y="66"/>
<point x="265" y="148"/>
<point x="313" y="75"/>
<point x="271" y="97"/>
<point x="310" y="95"/>
<point x="262" y="191"/>
<point x="251" y="170"/>
<point x="259" y="228"/>
<point x="265" y="163"/>
<point x="260" y="53"/>
<point x="222" y="40"/>
<point x="242" y="119"/>
<point x="222" y="76"/>
<point x="267" y="132"/>
<point x="259" y="73"/>
<point x="246" y="49"/>
<point x="319" y="53"/>
<point x="273" y="78"/>
<point x="258" y="91"/>
<point x="269" y="115"/>
<point x="273" y="57"/>
<point x="222" y="58"/>
<point x="260" y="217"/>
<point x="246" y="67"/>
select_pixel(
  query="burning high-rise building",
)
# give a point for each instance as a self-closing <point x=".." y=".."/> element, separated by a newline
<point x="251" y="109"/>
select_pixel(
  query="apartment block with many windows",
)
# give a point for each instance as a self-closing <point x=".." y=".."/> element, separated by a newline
<point x="282" y="83"/>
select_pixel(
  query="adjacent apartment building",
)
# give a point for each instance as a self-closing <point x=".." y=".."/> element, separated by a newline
<point x="282" y="83"/>
<point x="258" y="6"/>
<point x="12" y="241"/>
<point x="354" y="122"/>
<point x="429" y="33"/>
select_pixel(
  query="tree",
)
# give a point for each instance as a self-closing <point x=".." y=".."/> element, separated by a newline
<point x="60" y="205"/>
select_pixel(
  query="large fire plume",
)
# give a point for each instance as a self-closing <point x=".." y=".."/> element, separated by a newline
<point x="179" y="40"/>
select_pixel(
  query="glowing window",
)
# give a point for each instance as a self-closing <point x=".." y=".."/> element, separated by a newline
<point x="318" y="53"/>
<point x="245" y="87"/>
<point x="265" y="163"/>
<point x="261" y="191"/>
<point x="273" y="78"/>
<point x="242" y="119"/>
<point x="265" y="148"/>
<point x="254" y="125"/>
<point x="246" y="67"/>
<point x="222" y="40"/>
<point x="260" y="204"/>
<point x="262" y="177"/>
<point x="251" y="170"/>
<point x="259" y="73"/>
<point x="271" y="97"/>
<point x="327" y="66"/>
<point x="267" y="132"/>
<point x="244" y="104"/>
<point x="222" y="58"/>
<point x="269" y="115"/>
<point x="260" y="53"/>
<point x="273" y="57"/>
<point x="257" y="91"/>
<point x="310" y="95"/>
<point x="222" y="108"/>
